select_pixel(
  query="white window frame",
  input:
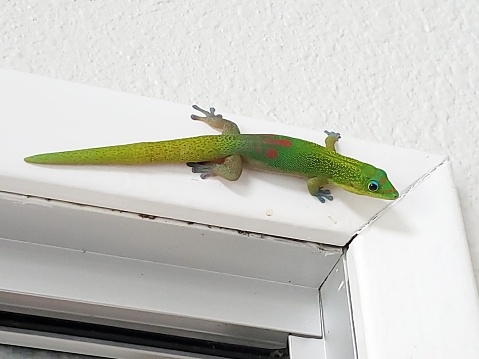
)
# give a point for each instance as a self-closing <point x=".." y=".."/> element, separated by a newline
<point x="66" y="241"/>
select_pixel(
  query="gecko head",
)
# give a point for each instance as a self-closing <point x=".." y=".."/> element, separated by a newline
<point x="372" y="182"/>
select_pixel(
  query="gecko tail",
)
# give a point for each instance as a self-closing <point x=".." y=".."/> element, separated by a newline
<point x="192" y="149"/>
<point x="136" y="153"/>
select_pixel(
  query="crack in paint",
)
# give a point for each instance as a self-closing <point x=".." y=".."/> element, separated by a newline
<point x="380" y="213"/>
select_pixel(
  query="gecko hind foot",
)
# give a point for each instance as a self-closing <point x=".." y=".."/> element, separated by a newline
<point x="204" y="168"/>
<point x="208" y="114"/>
<point x="323" y="195"/>
<point x="333" y="134"/>
<point x="216" y="121"/>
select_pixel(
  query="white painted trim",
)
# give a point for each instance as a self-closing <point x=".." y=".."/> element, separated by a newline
<point x="44" y="115"/>
<point x="412" y="285"/>
<point x="153" y="294"/>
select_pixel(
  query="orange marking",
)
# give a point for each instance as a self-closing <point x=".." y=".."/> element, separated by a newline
<point x="271" y="153"/>
<point x="282" y="143"/>
<point x="383" y="181"/>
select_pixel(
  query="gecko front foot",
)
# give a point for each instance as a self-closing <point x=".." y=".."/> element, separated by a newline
<point x="336" y="135"/>
<point x="332" y="138"/>
<point x="324" y="194"/>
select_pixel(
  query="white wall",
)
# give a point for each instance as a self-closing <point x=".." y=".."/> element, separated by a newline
<point x="402" y="72"/>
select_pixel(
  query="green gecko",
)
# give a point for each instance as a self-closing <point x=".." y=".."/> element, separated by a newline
<point x="224" y="155"/>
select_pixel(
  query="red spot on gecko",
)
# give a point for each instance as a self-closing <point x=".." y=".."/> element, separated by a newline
<point x="383" y="181"/>
<point x="282" y="143"/>
<point x="271" y="153"/>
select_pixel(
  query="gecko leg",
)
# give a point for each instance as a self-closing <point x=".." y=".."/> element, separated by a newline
<point x="230" y="167"/>
<point x="315" y="185"/>
<point x="216" y="121"/>
<point x="331" y="140"/>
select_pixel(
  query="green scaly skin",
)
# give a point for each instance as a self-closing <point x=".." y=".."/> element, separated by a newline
<point x="224" y="156"/>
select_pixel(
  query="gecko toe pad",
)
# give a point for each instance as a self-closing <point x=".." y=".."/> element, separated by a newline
<point x="323" y="195"/>
<point x="204" y="168"/>
<point x="333" y="134"/>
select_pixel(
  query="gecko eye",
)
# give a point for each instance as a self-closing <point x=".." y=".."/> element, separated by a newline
<point x="373" y="186"/>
